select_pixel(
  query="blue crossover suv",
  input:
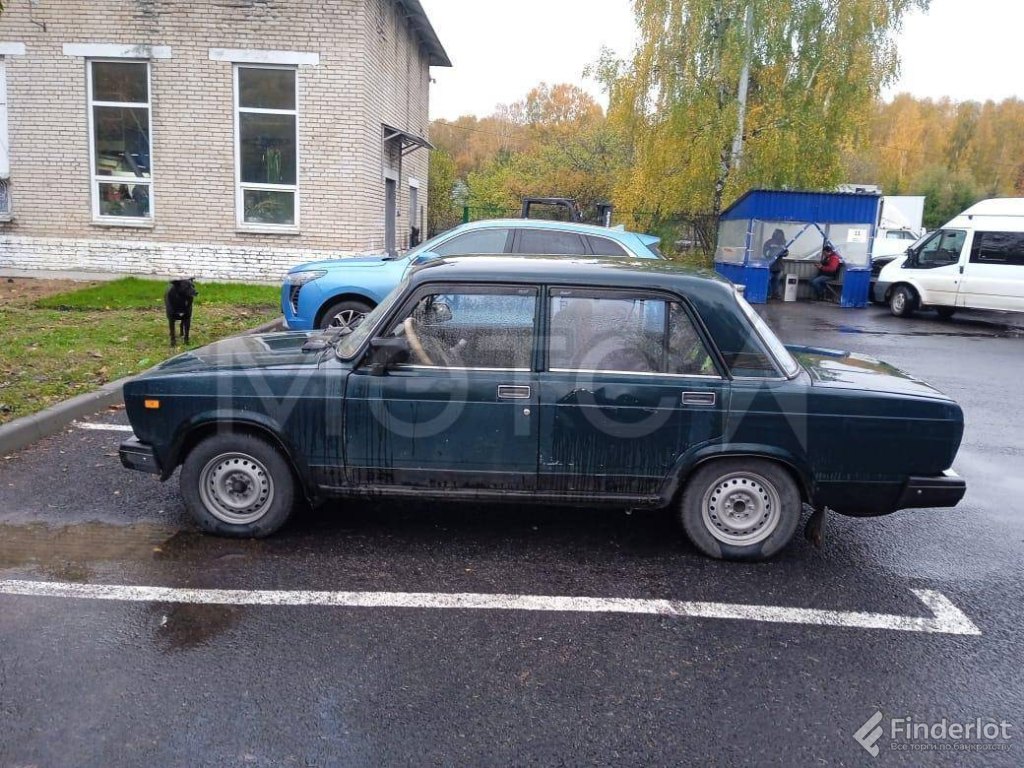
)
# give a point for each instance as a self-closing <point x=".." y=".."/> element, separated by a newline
<point x="339" y="292"/>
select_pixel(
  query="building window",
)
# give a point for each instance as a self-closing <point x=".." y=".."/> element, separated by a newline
<point x="266" y="131"/>
<point x="120" y="130"/>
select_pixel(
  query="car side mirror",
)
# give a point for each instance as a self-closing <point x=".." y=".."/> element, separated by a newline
<point x="423" y="258"/>
<point x="386" y="352"/>
<point x="439" y="313"/>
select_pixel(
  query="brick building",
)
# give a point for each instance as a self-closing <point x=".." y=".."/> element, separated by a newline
<point x="226" y="139"/>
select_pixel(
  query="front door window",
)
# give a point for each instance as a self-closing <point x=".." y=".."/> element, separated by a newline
<point x="941" y="250"/>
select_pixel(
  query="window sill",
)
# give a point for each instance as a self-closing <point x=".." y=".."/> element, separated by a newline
<point x="255" y="229"/>
<point x="131" y="224"/>
<point x="6" y="218"/>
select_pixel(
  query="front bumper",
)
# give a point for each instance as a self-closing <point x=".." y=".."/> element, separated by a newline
<point x="946" y="490"/>
<point x="299" y="304"/>
<point x="878" y="291"/>
<point x="139" y="456"/>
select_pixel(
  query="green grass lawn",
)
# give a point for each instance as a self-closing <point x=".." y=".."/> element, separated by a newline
<point x="62" y="345"/>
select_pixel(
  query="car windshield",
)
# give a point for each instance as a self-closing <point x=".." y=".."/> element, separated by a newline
<point x="426" y="245"/>
<point x="778" y="350"/>
<point x="350" y="345"/>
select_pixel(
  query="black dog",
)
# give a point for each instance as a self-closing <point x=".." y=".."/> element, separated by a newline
<point x="178" y="303"/>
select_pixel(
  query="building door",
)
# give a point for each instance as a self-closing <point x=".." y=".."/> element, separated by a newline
<point x="390" y="214"/>
<point x="414" y="217"/>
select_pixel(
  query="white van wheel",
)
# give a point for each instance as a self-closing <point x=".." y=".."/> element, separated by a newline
<point x="903" y="301"/>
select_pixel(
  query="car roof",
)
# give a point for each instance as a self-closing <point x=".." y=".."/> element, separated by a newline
<point x="572" y="270"/>
<point x="567" y="226"/>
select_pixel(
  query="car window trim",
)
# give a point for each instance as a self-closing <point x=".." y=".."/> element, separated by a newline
<point x="724" y="372"/>
<point x="703" y="376"/>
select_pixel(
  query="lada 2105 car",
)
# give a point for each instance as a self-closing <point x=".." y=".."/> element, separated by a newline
<point x="544" y="379"/>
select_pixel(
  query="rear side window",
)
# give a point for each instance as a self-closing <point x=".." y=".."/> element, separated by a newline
<point x="550" y="242"/>
<point x="998" y="248"/>
<point x="628" y="334"/>
<point x="602" y="246"/>
<point x="480" y="242"/>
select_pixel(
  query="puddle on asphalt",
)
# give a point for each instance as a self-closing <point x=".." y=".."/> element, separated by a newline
<point x="65" y="551"/>
<point x="182" y="626"/>
<point x="71" y="547"/>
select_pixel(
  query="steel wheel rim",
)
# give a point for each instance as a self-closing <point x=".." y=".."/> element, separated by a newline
<point x="236" y="488"/>
<point x="347" y="318"/>
<point x="741" y="509"/>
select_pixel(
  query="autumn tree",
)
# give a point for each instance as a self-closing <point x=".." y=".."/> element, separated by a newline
<point x="814" y="70"/>
<point x="442" y="211"/>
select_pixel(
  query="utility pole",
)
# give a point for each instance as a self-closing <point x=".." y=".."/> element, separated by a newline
<point x="748" y="36"/>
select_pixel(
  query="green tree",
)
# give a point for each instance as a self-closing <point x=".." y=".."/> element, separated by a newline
<point x="441" y="210"/>
<point x="816" y="68"/>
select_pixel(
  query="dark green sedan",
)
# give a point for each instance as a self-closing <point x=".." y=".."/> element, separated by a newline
<point x="549" y="380"/>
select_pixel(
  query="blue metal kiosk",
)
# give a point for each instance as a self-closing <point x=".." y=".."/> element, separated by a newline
<point x="808" y="220"/>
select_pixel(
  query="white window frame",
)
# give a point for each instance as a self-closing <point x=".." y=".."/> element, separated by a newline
<point x="94" y="177"/>
<point x="240" y="186"/>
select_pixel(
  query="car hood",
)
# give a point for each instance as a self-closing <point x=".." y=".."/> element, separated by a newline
<point x="847" y="370"/>
<point x="346" y="262"/>
<point x="264" y="350"/>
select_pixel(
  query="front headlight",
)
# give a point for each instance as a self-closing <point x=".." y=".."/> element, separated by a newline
<point x="301" y="278"/>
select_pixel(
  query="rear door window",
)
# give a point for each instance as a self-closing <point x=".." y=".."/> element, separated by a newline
<point x="1004" y="248"/>
<point x="550" y="242"/>
<point x="598" y="331"/>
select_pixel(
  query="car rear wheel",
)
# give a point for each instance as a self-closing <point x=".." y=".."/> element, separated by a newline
<point x="344" y="314"/>
<point x="741" y="509"/>
<point x="237" y="485"/>
<point x="903" y="301"/>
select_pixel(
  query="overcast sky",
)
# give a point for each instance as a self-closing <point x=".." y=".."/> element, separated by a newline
<point x="964" y="49"/>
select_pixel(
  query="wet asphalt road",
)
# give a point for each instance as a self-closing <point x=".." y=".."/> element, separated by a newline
<point x="86" y="683"/>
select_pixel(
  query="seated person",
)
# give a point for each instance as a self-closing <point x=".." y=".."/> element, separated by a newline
<point x="828" y="268"/>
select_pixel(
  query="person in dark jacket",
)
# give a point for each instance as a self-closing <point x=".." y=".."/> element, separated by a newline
<point x="827" y="271"/>
<point x="773" y="252"/>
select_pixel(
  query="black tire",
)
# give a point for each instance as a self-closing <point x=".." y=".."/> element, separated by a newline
<point x="351" y="310"/>
<point x="774" y="507"/>
<point x="257" y="465"/>
<point x="945" y="313"/>
<point x="902" y="301"/>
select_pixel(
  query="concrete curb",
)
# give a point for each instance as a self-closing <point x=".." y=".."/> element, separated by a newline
<point x="22" y="432"/>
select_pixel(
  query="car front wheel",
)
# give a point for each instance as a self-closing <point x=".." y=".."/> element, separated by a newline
<point x="741" y="509"/>
<point x="344" y="314"/>
<point x="237" y="485"/>
<point x="902" y="302"/>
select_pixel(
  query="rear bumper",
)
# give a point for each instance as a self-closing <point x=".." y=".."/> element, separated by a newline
<point x="139" y="456"/>
<point x="945" y="490"/>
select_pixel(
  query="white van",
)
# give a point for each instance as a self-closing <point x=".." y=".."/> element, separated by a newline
<point x="976" y="261"/>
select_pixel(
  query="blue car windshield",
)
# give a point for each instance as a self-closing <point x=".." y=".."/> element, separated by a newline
<point x="350" y="345"/>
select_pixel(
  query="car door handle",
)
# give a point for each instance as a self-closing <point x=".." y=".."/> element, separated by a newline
<point x="699" y="398"/>
<point x="513" y="392"/>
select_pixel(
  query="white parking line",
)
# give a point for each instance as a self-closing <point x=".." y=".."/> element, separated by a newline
<point x="102" y="427"/>
<point x="946" y="618"/>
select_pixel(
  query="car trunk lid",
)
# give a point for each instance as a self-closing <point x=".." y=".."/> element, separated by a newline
<point x="847" y="370"/>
